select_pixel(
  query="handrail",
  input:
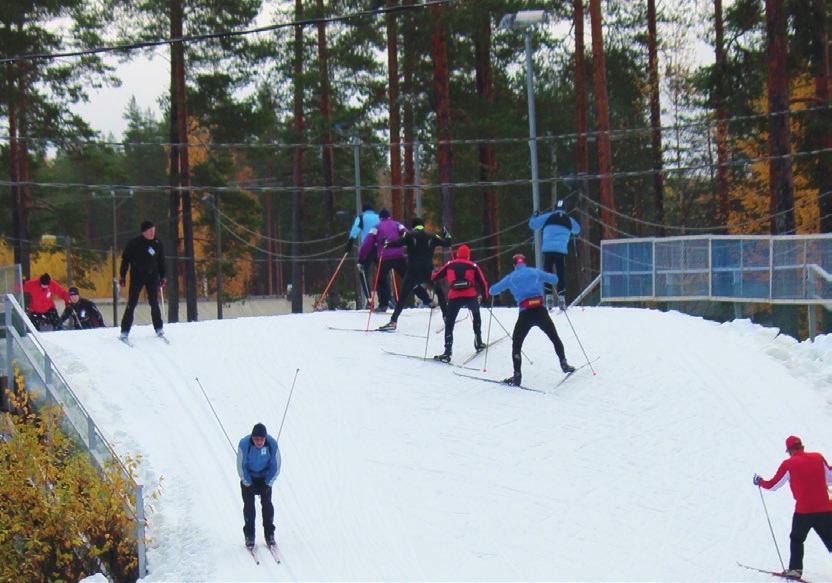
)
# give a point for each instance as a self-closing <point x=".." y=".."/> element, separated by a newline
<point x="587" y="290"/>
<point x="89" y="435"/>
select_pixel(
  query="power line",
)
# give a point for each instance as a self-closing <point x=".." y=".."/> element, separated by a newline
<point x="216" y="35"/>
<point x="428" y="186"/>
<point x="709" y="124"/>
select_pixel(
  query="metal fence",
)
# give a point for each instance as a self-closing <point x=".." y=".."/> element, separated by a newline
<point x="11" y="281"/>
<point x="47" y="386"/>
<point x="771" y="269"/>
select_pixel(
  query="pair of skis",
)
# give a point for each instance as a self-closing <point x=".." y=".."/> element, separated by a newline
<point x="774" y="573"/>
<point x="376" y="330"/>
<point x="131" y="345"/>
<point x="273" y="551"/>
<point x="507" y="385"/>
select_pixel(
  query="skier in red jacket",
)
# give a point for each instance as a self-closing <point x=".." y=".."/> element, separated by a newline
<point x="465" y="283"/>
<point x="808" y="475"/>
<point x="41" y="309"/>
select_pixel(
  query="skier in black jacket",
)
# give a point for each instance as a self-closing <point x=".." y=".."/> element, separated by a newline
<point x="82" y="313"/>
<point x="145" y="257"/>
<point x="420" y="246"/>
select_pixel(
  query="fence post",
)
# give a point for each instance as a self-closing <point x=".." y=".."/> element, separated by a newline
<point x="7" y="305"/>
<point x="813" y="323"/>
<point x="47" y="369"/>
<point x="141" y="550"/>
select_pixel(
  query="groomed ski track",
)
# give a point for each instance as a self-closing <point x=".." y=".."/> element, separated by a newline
<point x="399" y="470"/>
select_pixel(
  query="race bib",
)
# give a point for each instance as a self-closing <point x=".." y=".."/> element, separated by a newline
<point x="151" y="251"/>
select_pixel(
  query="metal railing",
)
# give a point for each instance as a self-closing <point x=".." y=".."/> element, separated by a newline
<point x="46" y="386"/>
<point x="11" y="281"/>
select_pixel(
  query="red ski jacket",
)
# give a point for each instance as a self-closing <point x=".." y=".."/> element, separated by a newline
<point x="463" y="278"/>
<point x="41" y="297"/>
<point x="807" y="474"/>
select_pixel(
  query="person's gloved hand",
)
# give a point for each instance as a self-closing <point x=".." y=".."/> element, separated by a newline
<point x="246" y="484"/>
<point x="163" y="282"/>
<point x="537" y="213"/>
<point x="446" y="234"/>
<point x="122" y="283"/>
<point x="386" y="243"/>
<point x="348" y="246"/>
<point x="757" y="480"/>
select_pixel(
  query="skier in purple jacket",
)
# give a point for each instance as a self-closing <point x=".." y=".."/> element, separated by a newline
<point x="390" y="258"/>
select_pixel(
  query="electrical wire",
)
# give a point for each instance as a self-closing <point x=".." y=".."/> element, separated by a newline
<point x="123" y="48"/>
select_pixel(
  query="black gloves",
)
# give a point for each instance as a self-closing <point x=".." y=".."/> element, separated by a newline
<point x="348" y="246"/>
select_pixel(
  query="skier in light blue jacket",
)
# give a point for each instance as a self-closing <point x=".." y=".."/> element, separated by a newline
<point x="558" y="228"/>
<point x="526" y="285"/>
<point x="258" y="464"/>
<point x="361" y="227"/>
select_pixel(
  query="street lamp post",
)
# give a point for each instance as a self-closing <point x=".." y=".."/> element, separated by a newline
<point x="113" y="197"/>
<point x="524" y="21"/>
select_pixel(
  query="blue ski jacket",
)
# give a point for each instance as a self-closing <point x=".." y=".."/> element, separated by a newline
<point x="524" y="283"/>
<point x="557" y="227"/>
<point x="362" y="225"/>
<point x="263" y="463"/>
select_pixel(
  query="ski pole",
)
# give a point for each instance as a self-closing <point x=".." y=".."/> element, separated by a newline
<point x="215" y="415"/>
<point x="427" y="336"/>
<point x="496" y="319"/>
<point x="289" y="400"/>
<point x="162" y="298"/>
<point x="373" y="295"/>
<point x="332" y="279"/>
<point x="592" y="368"/>
<point x="770" y="527"/>
<point x="488" y="335"/>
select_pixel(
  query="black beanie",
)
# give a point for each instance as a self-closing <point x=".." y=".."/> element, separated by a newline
<point x="45" y="279"/>
<point x="146" y="225"/>
<point x="73" y="291"/>
<point x="259" y="430"/>
<point x="417" y="222"/>
<point x="384" y="214"/>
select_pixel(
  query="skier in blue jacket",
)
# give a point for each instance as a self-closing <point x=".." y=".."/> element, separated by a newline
<point x="366" y="221"/>
<point x="258" y="464"/>
<point x="526" y="285"/>
<point x="558" y="228"/>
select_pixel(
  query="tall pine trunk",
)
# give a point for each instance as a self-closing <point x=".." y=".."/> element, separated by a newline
<point x="781" y="183"/>
<point x="326" y="123"/>
<point x="590" y="230"/>
<point x="442" y="100"/>
<point x="184" y="164"/>
<point x="486" y="151"/>
<point x="409" y="119"/>
<point x="721" y="118"/>
<point x="175" y="199"/>
<point x="602" y="122"/>
<point x="655" y="116"/>
<point x="19" y="202"/>
<point x="393" y="108"/>
<point x="820" y="65"/>
<point x="297" y="164"/>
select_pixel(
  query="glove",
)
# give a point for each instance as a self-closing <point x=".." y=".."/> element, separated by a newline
<point x="757" y="480"/>
<point x="536" y="213"/>
<point x="348" y="246"/>
<point x="122" y="283"/>
<point x="446" y="234"/>
<point x="386" y="243"/>
<point x="246" y="484"/>
<point x="163" y="282"/>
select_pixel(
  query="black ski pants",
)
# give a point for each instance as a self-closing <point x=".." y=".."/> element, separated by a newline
<point x="555" y="263"/>
<point x="48" y="318"/>
<point x="258" y="488"/>
<point x="454" y="306"/>
<point x="801" y="525"/>
<point x="150" y="283"/>
<point x="416" y="276"/>
<point x="398" y="265"/>
<point x="527" y="320"/>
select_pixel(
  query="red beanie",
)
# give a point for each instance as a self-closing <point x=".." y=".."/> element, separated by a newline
<point x="793" y="442"/>
<point x="463" y="252"/>
<point x="519" y="258"/>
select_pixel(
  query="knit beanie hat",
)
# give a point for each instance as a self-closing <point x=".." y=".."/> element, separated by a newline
<point x="259" y="430"/>
<point x="73" y="291"/>
<point x="793" y="442"/>
<point x="146" y="225"/>
<point x="45" y="279"/>
<point x="463" y="252"/>
<point x="519" y="258"/>
<point x="417" y="222"/>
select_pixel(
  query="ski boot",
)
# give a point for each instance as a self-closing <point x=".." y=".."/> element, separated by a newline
<point x="249" y="542"/>
<point x="270" y="541"/>
<point x="514" y="380"/>
<point x="160" y="333"/>
<point x="562" y="302"/>
<point x="388" y="327"/>
<point x="444" y="357"/>
<point x="548" y="301"/>
<point x="479" y="345"/>
<point x="566" y="367"/>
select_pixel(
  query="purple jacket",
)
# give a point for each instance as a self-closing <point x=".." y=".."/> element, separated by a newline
<point x="387" y="230"/>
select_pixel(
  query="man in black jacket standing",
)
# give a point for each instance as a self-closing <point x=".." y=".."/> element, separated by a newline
<point x="145" y="257"/>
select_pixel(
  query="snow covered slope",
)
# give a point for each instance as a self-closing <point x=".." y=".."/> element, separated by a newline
<point x="395" y="469"/>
